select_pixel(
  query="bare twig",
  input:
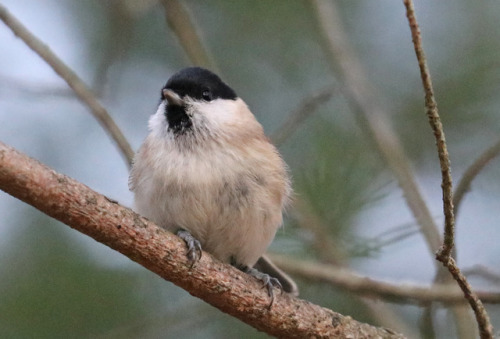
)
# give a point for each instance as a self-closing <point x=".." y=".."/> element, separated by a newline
<point x="482" y="317"/>
<point x="437" y="127"/>
<point x="180" y="22"/>
<point x="444" y="253"/>
<point x="163" y="253"/>
<point x="483" y="272"/>
<point x="372" y="115"/>
<point x="73" y="81"/>
<point x="34" y="89"/>
<point x="471" y="173"/>
<point x="400" y="293"/>
<point x="305" y="109"/>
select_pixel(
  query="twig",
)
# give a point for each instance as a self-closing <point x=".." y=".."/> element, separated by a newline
<point x="305" y="109"/>
<point x="482" y="317"/>
<point x="372" y="115"/>
<point x="221" y="285"/>
<point x="35" y="89"/>
<point x="472" y="172"/>
<point x="483" y="272"/>
<point x="180" y="22"/>
<point x="73" y="81"/>
<point x="355" y="283"/>
<point x="437" y="127"/>
<point x="443" y="255"/>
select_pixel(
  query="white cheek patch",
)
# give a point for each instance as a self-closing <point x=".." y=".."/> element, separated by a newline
<point x="157" y="122"/>
<point x="218" y="112"/>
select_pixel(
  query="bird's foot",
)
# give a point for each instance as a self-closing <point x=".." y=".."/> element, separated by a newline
<point x="267" y="281"/>
<point x="193" y="245"/>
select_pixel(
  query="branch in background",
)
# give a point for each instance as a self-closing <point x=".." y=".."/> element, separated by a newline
<point x="73" y="81"/>
<point x="180" y="22"/>
<point x="426" y="323"/>
<point x="324" y="245"/>
<point x="32" y="89"/>
<point x="305" y="109"/>
<point x="330" y="253"/>
<point x="483" y="272"/>
<point x="373" y="118"/>
<point x="118" y="37"/>
<point x="355" y="283"/>
<point x="161" y="252"/>
<point x="443" y="255"/>
<point x="372" y="115"/>
<point x="472" y="172"/>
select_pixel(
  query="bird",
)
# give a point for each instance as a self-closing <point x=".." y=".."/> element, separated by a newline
<point x="208" y="173"/>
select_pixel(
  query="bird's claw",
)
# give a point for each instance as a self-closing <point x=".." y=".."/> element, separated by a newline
<point x="193" y="245"/>
<point x="267" y="282"/>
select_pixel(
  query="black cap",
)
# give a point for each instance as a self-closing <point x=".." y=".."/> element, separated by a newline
<point x="199" y="83"/>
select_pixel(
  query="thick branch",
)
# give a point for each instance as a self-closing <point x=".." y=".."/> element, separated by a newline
<point x="161" y="252"/>
<point x="77" y="85"/>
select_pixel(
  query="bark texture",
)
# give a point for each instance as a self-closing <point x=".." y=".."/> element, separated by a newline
<point x="123" y="230"/>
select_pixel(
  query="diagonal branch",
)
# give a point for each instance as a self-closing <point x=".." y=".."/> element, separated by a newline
<point x="77" y="85"/>
<point x="472" y="172"/>
<point x="161" y="252"/>
<point x="372" y="115"/>
<point x="306" y="108"/>
<point x="444" y="253"/>
<point x="180" y="22"/>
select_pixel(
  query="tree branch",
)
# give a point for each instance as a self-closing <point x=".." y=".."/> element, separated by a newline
<point x="161" y="252"/>
<point x="355" y="283"/>
<point x="472" y="172"/>
<point x="180" y="22"/>
<point x="372" y="115"/>
<point x="483" y="272"/>
<point x="444" y="253"/>
<point x="437" y="128"/>
<point x="77" y="85"/>
<point x="306" y="108"/>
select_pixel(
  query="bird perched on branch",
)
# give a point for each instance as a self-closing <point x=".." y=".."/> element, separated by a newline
<point x="207" y="172"/>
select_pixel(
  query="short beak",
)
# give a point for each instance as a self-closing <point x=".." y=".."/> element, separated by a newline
<point x="172" y="98"/>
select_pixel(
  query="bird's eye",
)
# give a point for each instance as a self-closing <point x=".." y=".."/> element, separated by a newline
<point x="206" y="95"/>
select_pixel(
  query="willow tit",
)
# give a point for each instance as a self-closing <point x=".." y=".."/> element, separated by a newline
<point x="207" y="172"/>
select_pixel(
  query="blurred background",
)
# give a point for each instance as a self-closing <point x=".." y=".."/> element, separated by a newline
<point x="351" y="212"/>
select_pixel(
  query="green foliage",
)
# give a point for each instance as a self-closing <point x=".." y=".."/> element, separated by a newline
<point x="341" y="177"/>
<point x="51" y="288"/>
